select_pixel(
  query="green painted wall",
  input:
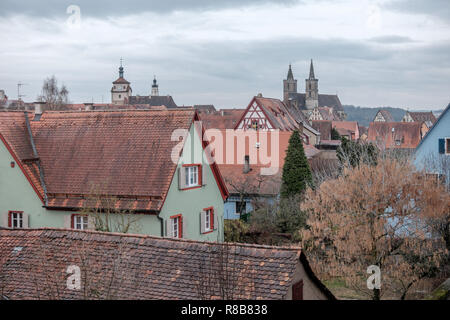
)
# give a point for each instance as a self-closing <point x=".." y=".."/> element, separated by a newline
<point x="17" y="194"/>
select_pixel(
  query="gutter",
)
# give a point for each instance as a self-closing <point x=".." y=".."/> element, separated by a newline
<point x="36" y="156"/>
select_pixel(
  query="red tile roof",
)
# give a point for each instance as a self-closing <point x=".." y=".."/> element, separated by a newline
<point x="324" y="127"/>
<point x="395" y="135"/>
<point x="120" y="154"/>
<point x="222" y="119"/>
<point x="347" y="127"/>
<point x="33" y="265"/>
<point x="423" y="116"/>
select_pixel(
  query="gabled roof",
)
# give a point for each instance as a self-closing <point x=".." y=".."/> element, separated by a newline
<point x="386" y="115"/>
<point x="346" y="126"/>
<point x="395" y="135"/>
<point x="120" y="154"/>
<point x="124" y="266"/>
<point x="324" y="127"/>
<point x="427" y="117"/>
<point x="447" y="109"/>
<point x="282" y="116"/>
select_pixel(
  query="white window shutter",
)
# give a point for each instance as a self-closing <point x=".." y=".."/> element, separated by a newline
<point x="68" y="221"/>
<point x="202" y="221"/>
<point x="216" y="221"/>
<point x="170" y="228"/>
<point x="5" y="219"/>
<point x="204" y="168"/>
<point x="181" y="178"/>
<point x="25" y="223"/>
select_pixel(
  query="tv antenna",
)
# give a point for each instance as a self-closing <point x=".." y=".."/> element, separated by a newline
<point x="19" y="86"/>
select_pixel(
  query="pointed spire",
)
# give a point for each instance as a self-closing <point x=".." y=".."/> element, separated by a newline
<point x="311" y="71"/>
<point x="121" y="69"/>
<point x="290" y="75"/>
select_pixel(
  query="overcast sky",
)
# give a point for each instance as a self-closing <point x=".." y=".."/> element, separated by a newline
<point x="372" y="53"/>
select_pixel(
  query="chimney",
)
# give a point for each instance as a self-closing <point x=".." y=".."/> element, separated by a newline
<point x="88" y="106"/>
<point x="38" y="107"/>
<point x="246" y="164"/>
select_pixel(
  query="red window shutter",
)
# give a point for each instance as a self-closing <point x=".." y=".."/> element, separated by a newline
<point x="72" y="218"/>
<point x="10" y="219"/>
<point x="180" y="227"/>
<point x="211" y="218"/>
<point x="297" y="291"/>
<point x="200" y="175"/>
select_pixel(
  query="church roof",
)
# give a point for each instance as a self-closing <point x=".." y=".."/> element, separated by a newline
<point x="153" y="101"/>
<point x="121" y="81"/>
<point x="325" y="100"/>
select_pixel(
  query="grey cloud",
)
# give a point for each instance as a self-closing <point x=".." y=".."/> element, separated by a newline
<point x="391" y="39"/>
<point x="103" y="8"/>
<point x="436" y="8"/>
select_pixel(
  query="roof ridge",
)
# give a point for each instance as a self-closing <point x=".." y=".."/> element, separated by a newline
<point x="146" y="236"/>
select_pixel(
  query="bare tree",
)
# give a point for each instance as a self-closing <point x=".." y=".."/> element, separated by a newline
<point x="55" y="98"/>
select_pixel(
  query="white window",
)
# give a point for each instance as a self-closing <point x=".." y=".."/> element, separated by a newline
<point x="192" y="176"/>
<point x="16" y="220"/>
<point x="208" y="221"/>
<point x="80" y="222"/>
<point x="176" y="226"/>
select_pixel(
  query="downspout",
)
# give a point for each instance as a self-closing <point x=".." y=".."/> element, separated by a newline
<point x="38" y="161"/>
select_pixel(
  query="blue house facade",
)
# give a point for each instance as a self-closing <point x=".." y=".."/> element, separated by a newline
<point x="433" y="152"/>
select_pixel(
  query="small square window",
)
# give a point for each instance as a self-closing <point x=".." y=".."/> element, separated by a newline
<point x="80" y="222"/>
<point x="16" y="220"/>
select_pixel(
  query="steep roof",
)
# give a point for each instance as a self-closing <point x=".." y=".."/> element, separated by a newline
<point x="386" y="115"/>
<point x="153" y="101"/>
<point x="427" y="117"/>
<point x="121" y="81"/>
<point x="324" y="127"/>
<point x="395" y="135"/>
<point x="112" y="153"/>
<point x="222" y="119"/>
<point x="439" y="119"/>
<point x="325" y="100"/>
<point x="123" y="266"/>
<point x="347" y="126"/>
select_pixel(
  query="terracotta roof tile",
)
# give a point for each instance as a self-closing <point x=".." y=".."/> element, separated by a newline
<point x="396" y="135"/>
<point x="33" y="264"/>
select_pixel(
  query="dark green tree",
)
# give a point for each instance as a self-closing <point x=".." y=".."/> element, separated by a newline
<point x="296" y="171"/>
<point x="335" y="134"/>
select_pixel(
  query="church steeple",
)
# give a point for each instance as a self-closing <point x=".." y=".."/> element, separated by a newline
<point x="311" y="71"/>
<point x="312" y="89"/>
<point x="121" y="69"/>
<point x="289" y="85"/>
<point x="155" y="90"/>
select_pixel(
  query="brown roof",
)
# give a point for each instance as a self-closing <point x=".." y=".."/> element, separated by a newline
<point x="325" y="100"/>
<point x="347" y="127"/>
<point x="117" y="152"/>
<point x="153" y="101"/>
<point x="33" y="264"/>
<point x="423" y="116"/>
<point x="121" y="81"/>
<point x="386" y="115"/>
<point x="222" y="119"/>
<point x="324" y="127"/>
<point x="397" y="135"/>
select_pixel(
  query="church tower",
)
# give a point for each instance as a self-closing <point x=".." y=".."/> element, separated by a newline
<point x="289" y="85"/>
<point x="155" y="90"/>
<point x="312" y="90"/>
<point x="121" y="90"/>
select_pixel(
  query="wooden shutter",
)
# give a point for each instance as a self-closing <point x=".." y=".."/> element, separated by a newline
<point x="182" y="178"/>
<point x="297" y="291"/>
<point x="202" y="221"/>
<point x="166" y="230"/>
<point x="441" y="146"/>
<point x="215" y="219"/>
<point x="91" y="222"/>
<point x="203" y="174"/>
<point x="25" y="223"/>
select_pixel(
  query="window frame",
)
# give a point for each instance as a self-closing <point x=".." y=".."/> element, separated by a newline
<point x="209" y="213"/>
<point x="74" y="223"/>
<point x="11" y="219"/>
<point x="179" y="229"/>
<point x="187" y="169"/>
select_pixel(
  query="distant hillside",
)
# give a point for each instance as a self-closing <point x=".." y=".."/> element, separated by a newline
<point x="365" y="115"/>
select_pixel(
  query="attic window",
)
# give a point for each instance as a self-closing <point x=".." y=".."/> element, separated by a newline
<point x="15" y="219"/>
